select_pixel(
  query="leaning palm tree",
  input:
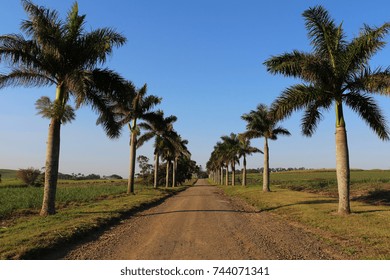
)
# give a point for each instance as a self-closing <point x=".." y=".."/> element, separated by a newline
<point x="136" y="107"/>
<point x="261" y="123"/>
<point x="245" y="149"/>
<point x="160" y="128"/>
<point x="336" y="73"/>
<point x="63" y="54"/>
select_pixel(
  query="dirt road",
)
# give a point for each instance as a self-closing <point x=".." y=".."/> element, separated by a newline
<point x="202" y="223"/>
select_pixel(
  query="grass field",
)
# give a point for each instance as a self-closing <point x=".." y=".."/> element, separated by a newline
<point x="14" y="200"/>
<point x="83" y="207"/>
<point x="309" y="198"/>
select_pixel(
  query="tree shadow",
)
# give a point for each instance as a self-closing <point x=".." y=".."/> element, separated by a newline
<point x="319" y="201"/>
<point x="199" y="211"/>
<point x="375" y="197"/>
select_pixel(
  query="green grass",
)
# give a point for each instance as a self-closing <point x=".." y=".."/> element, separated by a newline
<point x="365" y="234"/>
<point x="7" y="173"/>
<point x="29" y="237"/>
<point x="20" y="199"/>
<point x="9" y="179"/>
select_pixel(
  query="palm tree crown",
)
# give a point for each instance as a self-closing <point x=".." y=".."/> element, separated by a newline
<point x="336" y="73"/>
<point x="63" y="54"/>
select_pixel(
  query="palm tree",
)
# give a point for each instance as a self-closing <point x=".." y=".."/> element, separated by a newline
<point x="337" y="74"/>
<point x="136" y="107"/>
<point x="245" y="149"/>
<point x="160" y="128"/>
<point x="231" y="147"/>
<point x="223" y="160"/>
<point x="61" y="53"/>
<point x="179" y="151"/>
<point x="215" y="164"/>
<point x="261" y="123"/>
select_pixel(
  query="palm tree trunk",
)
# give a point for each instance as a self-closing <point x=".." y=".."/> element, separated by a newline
<point x="227" y="176"/>
<point x="174" y="172"/>
<point x="51" y="168"/>
<point x="221" y="178"/>
<point x="167" y="174"/>
<point x="342" y="161"/>
<point x="133" y="150"/>
<point x="244" y="171"/>
<point x="266" y="167"/>
<point x="342" y="170"/>
<point x="156" y="163"/>
<point x="233" y="174"/>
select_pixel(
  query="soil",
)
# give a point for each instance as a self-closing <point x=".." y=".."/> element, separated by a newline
<point x="202" y="223"/>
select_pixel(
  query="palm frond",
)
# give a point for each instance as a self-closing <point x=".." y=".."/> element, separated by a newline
<point x="311" y="117"/>
<point x="16" y="50"/>
<point x="48" y="109"/>
<point x="74" y="23"/>
<point x="377" y="81"/>
<point x="370" y="112"/>
<point x="298" y="97"/>
<point x="144" y="138"/>
<point x="325" y="36"/>
<point x="363" y="47"/>
<point x="100" y="43"/>
<point x="281" y="131"/>
<point x="26" y="78"/>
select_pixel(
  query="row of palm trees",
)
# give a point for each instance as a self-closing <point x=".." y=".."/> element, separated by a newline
<point x="63" y="54"/>
<point x="260" y="124"/>
<point x="335" y="74"/>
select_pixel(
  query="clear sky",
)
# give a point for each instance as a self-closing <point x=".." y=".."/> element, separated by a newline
<point x="204" y="58"/>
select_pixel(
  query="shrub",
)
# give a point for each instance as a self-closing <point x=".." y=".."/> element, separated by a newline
<point x="30" y="176"/>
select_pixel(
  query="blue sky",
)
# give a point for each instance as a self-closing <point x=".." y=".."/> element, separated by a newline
<point x="204" y="58"/>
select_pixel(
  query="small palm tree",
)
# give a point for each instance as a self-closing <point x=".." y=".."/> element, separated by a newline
<point x="136" y="107"/>
<point x="61" y="53"/>
<point x="245" y="149"/>
<point x="335" y="74"/>
<point x="261" y="123"/>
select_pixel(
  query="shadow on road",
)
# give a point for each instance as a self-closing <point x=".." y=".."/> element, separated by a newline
<point x="199" y="211"/>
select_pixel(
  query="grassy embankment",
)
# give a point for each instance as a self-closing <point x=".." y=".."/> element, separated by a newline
<point x="83" y="207"/>
<point x="309" y="198"/>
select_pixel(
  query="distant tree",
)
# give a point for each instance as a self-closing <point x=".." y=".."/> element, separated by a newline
<point x="200" y="173"/>
<point x="115" y="176"/>
<point x="146" y="169"/>
<point x="137" y="107"/>
<point x="262" y="123"/>
<point x="29" y="176"/>
<point x="161" y="129"/>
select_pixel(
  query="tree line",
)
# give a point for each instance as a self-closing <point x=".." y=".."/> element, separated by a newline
<point x="61" y="53"/>
<point x="335" y="74"/>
